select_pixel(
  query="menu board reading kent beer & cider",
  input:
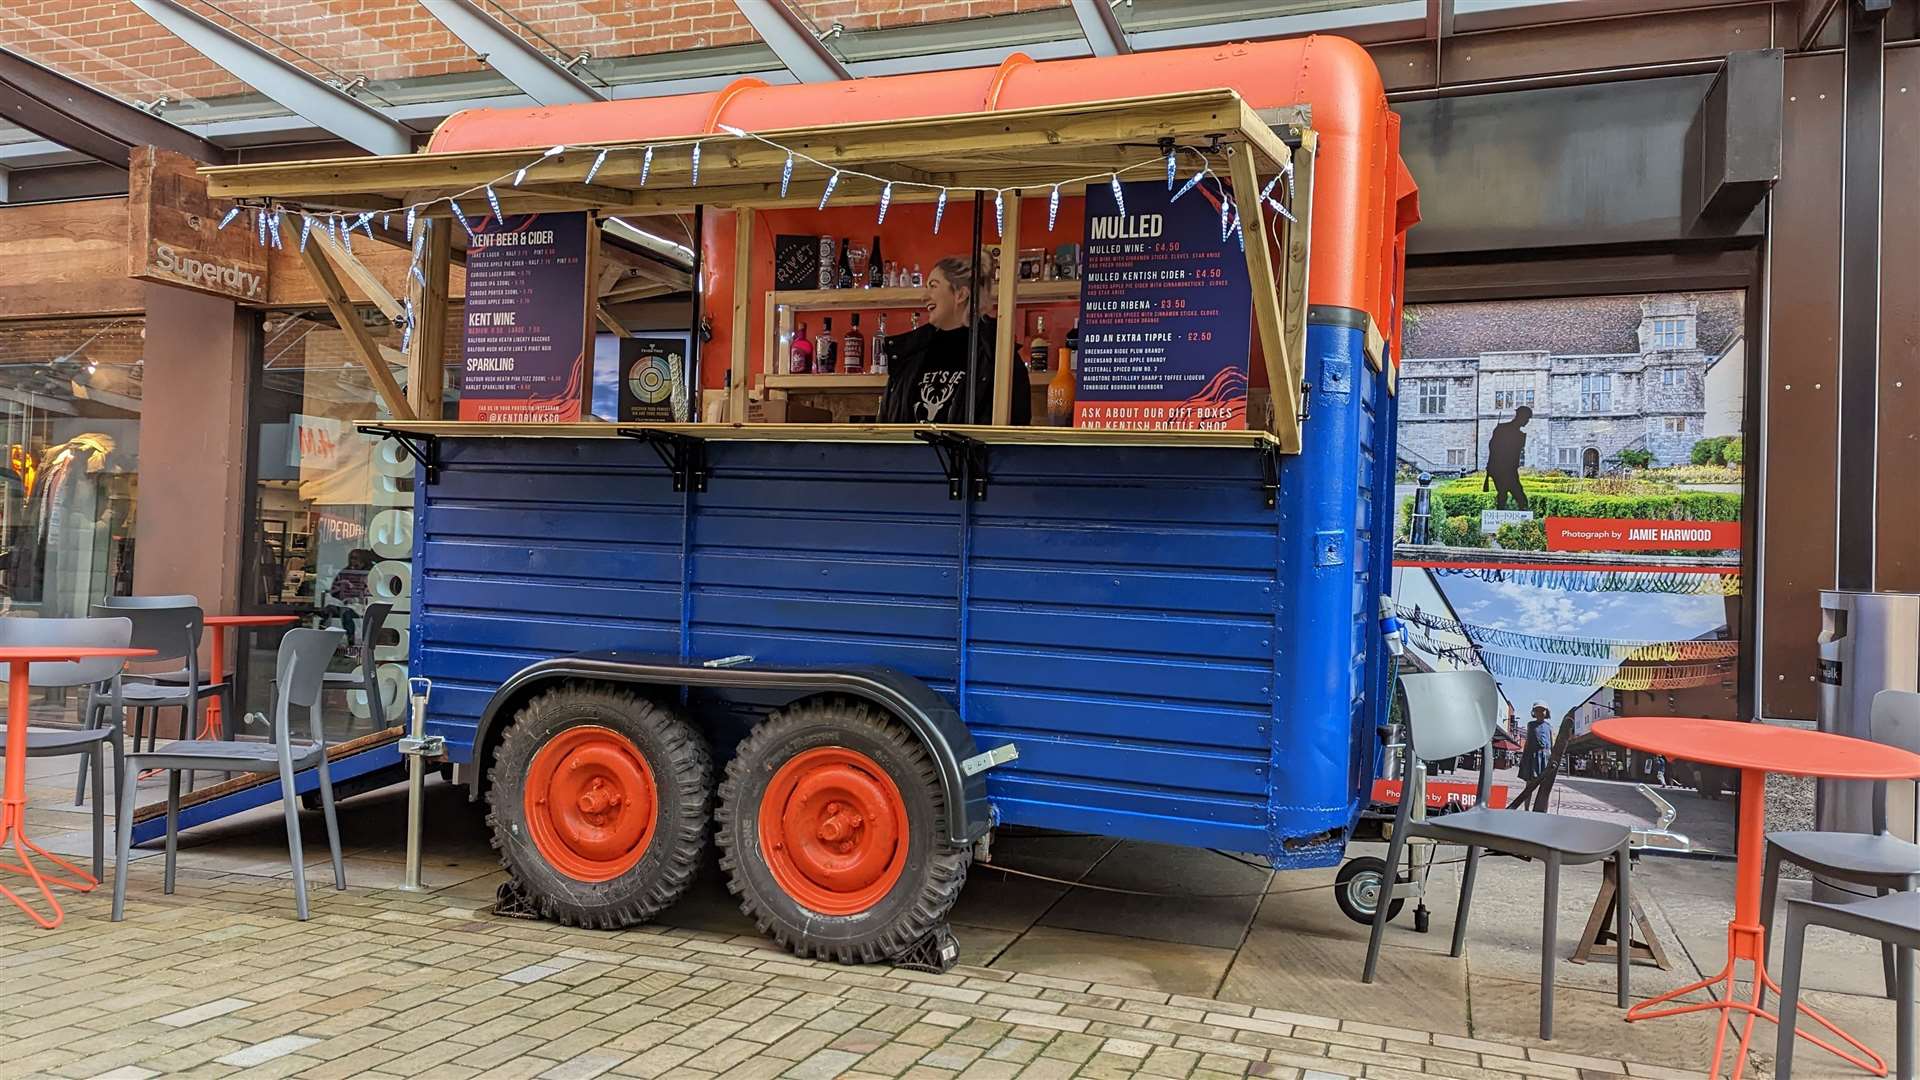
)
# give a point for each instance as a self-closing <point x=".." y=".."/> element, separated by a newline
<point x="528" y="318"/>
<point x="1165" y="313"/>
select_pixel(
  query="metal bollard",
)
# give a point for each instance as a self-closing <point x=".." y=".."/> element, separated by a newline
<point x="418" y="747"/>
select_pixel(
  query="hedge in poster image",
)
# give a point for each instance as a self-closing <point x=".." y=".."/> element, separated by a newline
<point x="1456" y="506"/>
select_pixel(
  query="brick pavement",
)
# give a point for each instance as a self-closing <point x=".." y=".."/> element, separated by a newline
<point x="221" y="980"/>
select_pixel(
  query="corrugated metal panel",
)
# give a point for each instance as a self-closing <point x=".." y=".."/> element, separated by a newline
<point x="1121" y="633"/>
<point x="1175" y="661"/>
<point x="534" y="550"/>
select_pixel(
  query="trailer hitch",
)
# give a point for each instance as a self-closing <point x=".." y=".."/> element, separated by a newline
<point x="962" y="458"/>
<point x="684" y="455"/>
<point x="424" y="449"/>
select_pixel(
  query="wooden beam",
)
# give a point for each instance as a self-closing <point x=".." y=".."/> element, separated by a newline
<point x="742" y="299"/>
<point x="427" y="359"/>
<point x="1298" y="254"/>
<point x="358" y="274"/>
<point x="1282" y="375"/>
<point x="364" y="346"/>
<point x="1006" y="346"/>
<point x="607" y="320"/>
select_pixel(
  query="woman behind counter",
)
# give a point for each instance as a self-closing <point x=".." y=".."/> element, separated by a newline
<point x="927" y="366"/>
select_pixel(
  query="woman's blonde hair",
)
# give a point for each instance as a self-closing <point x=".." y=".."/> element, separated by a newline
<point x="959" y="273"/>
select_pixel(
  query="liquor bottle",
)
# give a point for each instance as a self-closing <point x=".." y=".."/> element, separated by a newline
<point x="1041" y="346"/>
<point x="824" y="348"/>
<point x="800" y="353"/>
<point x="918" y="281"/>
<point x="876" y="269"/>
<point x="843" y="277"/>
<point x="915" y="316"/>
<point x="853" y="348"/>
<point x="878" y="361"/>
<point x="1060" y="390"/>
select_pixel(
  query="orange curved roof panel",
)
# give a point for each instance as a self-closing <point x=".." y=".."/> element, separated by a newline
<point x="1363" y="197"/>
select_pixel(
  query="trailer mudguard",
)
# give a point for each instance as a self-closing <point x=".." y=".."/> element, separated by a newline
<point x="925" y="713"/>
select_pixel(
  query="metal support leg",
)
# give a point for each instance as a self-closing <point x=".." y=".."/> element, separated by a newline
<point x="127" y="780"/>
<point x="173" y="825"/>
<point x="1789" y="995"/>
<point x="97" y="758"/>
<point x="1390" y="877"/>
<point x="1549" y="943"/>
<point x="1623" y="954"/>
<point x="333" y="824"/>
<point x="289" y="803"/>
<point x="1466" y="902"/>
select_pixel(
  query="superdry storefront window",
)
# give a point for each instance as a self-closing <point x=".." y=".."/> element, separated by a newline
<point x="70" y="435"/>
<point x="330" y="526"/>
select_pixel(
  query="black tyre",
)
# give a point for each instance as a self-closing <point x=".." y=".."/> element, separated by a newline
<point x="1358" y="886"/>
<point x="830" y="833"/>
<point x="599" y="804"/>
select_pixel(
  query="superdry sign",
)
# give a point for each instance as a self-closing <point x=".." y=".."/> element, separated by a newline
<point x="174" y="234"/>
<point x="1630" y="534"/>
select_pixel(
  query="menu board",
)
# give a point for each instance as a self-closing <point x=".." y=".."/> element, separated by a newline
<point x="1165" y="313"/>
<point x="528" y="320"/>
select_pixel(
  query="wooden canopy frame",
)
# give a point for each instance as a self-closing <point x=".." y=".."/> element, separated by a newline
<point x="1016" y="148"/>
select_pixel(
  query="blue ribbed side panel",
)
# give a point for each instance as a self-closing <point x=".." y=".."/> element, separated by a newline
<point x="539" y="548"/>
<point x="828" y="554"/>
<point x="1328" y="644"/>
<point x="1121" y="634"/>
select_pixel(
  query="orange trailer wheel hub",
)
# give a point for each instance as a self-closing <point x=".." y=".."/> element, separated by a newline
<point x="591" y="803"/>
<point x="833" y="830"/>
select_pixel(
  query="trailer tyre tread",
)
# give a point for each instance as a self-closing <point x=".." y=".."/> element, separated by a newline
<point x="682" y="770"/>
<point x="915" y="906"/>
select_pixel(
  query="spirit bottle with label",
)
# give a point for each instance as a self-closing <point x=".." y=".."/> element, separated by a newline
<point x="876" y="268"/>
<point x="843" y="276"/>
<point x="853" y="349"/>
<point x="824" y="348"/>
<point x="800" y="353"/>
<point x="878" y="364"/>
<point x="1041" y="346"/>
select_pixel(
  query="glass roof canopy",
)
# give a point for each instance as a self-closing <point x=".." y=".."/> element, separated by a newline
<point x="397" y="58"/>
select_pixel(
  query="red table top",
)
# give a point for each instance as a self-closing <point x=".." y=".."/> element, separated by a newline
<point x="249" y="620"/>
<point x="1766" y="747"/>
<point x="49" y="654"/>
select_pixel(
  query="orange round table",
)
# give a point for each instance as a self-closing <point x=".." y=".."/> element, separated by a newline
<point x="212" y="727"/>
<point x="13" y="804"/>
<point x="1756" y="750"/>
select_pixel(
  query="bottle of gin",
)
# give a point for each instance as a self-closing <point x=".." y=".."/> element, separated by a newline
<point x="800" y="352"/>
<point x="878" y="346"/>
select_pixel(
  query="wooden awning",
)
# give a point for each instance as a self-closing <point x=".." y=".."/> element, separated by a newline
<point x="985" y="150"/>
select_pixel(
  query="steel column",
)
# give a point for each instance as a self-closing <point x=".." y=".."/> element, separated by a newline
<point x="1860" y="295"/>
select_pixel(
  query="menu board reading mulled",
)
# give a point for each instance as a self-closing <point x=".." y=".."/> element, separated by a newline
<point x="1165" y="313"/>
<point x="528" y="320"/>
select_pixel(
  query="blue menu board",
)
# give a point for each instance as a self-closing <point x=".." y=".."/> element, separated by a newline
<point x="528" y="320"/>
<point x="1165" y="313"/>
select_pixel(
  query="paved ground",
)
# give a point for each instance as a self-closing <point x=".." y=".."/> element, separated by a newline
<point x="1239" y="972"/>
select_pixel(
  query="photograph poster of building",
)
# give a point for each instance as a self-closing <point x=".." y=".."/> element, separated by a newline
<point x="1569" y="520"/>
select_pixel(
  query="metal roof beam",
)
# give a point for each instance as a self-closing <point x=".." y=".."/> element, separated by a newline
<point x="793" y="41"/>
<point x="325" y="105"/>
<point x="1101" y="29"/>
<point x="81" y="118"/>
<point x="538" y="75"/>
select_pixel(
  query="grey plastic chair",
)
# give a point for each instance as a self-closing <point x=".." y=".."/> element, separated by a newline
<point x="1894" y="920"/>
<point x="1451" y="713"/>
<point x="174" y="634"/>
<point x="100" y="712"/>
<point x="300" y="671"/>
<point x="175" y="600"/>
<point x="1877" y="860"/>
<point x="372" y="622"/>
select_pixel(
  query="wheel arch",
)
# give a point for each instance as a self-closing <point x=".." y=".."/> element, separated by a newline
<point x="934" y="722"/>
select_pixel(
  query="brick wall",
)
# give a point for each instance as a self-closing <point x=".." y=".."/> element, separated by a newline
<point x="115" y="46"/>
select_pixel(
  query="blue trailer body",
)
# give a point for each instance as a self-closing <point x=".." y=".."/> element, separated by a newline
<point x="1174" y="660"/>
